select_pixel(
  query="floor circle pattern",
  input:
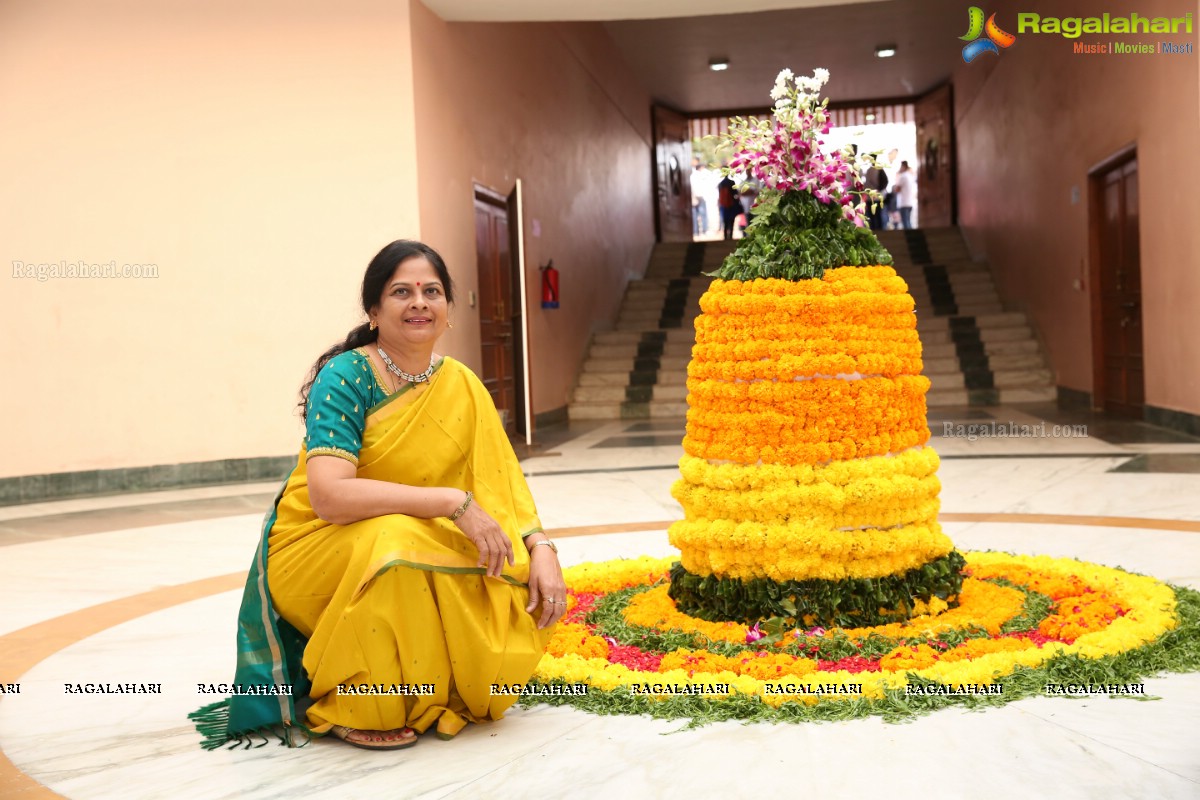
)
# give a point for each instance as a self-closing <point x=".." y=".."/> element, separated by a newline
<point x="1024" y="625"/>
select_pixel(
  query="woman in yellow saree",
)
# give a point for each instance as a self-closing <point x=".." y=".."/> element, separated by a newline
<point x="403" y="573"/>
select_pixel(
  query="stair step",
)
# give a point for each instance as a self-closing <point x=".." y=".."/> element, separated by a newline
<point x="626" y="365"/>
<point x="1019" y="362"/>
<point x="626" y="410"/>
<point x="674" y="377"/>
<point x="607" y="351"/>
<point x="1005" y="380"/>
<point x="1029" y="394"/>
<point x="994" y="348"/>
<point x="968" y="296"/>
<point x="673" y="335"/>
<point x="640" y="324"/>
<point x="947" y="397"/>
<point x="618" y="394"/>
<point x="1005" y="319"/>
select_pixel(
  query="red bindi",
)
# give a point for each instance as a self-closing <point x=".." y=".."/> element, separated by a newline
<point x="418" y="283"/>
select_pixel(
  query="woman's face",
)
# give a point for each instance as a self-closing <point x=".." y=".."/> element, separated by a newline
<point x="413" y="308"/>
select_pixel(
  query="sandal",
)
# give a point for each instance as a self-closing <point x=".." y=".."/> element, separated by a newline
<point x="380" y="738"/>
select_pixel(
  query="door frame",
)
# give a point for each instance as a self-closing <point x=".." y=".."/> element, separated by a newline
<point x="523" y="380"/>
<point x="1095" y="211"/>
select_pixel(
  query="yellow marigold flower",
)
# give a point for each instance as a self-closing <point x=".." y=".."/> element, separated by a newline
<point x="609" y="576"/>
<point x="578" y="640"/>
<point x="906" y="658"/>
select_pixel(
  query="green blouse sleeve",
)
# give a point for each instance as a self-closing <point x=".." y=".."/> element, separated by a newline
<point x="337" y="408"/>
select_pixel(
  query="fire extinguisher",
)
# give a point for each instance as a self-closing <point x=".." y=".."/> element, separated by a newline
<point x="549" y="285"/>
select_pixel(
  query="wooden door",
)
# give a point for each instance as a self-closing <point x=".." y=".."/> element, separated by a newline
<point x="494" y="263"/>
<point x="934" y="117"/>
<point x="1120" y="374"/>
<point x="672" y="171"/>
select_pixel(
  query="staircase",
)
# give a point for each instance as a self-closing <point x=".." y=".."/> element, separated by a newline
<point x="975" y="353"/>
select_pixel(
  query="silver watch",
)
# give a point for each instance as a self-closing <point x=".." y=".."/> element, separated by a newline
<point x="546" y="542"/>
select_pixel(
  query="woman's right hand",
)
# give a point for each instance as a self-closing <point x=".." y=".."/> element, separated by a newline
<point x="487" y="535"/>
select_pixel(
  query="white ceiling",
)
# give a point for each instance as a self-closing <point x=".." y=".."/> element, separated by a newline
<point x="596" y="10"/>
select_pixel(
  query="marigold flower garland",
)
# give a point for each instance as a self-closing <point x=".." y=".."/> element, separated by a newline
<point x="796" y="551"/>
<point x="817" y="373"/>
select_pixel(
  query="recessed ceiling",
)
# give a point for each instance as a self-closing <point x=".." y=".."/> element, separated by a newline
<point x="595" y="10"/>
<point x="670" y="43"/>
<point x="672" y="55"/>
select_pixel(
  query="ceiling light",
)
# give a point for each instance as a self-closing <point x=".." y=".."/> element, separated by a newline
<point x="718" y="64"/>
<point x="885" y="51"/>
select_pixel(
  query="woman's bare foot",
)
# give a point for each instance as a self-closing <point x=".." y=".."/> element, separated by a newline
<point x="375" y="740"/>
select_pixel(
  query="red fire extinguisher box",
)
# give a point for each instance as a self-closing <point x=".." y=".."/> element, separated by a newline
<point x="549" y="285"/>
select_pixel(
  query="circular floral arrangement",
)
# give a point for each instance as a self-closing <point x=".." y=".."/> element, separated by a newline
<point x="1022" y="624"/>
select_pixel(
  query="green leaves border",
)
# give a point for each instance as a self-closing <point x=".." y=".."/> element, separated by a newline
<point x="794" y="236"/>
<point x="851" y="603"/>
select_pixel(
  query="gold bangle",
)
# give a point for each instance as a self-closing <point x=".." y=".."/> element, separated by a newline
<point x="458" y="512"/>
<point x="546" y="542"/>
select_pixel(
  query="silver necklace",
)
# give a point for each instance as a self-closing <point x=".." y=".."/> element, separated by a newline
<point x="420" y="377"/>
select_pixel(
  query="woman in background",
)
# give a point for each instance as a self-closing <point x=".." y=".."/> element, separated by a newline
<point x="906" y="194"/>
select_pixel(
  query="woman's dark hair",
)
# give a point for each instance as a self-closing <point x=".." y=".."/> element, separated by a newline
<point x="378" y="273"/>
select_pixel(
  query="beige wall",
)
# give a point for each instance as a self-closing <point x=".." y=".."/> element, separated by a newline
<point x="258" y="154"/>
<point x="554" y="105"/>
<point x="1031" y="124"/>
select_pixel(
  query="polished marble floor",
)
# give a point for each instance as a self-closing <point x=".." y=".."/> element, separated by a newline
<point x="144" y="588"/>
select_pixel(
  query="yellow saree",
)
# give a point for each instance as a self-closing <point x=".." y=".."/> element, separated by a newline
<point x="403" y="627"/>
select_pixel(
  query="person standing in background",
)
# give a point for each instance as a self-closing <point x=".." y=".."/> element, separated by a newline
<point x="875" y="178"/>
<point x="891" y="215"/>
<point x="906" y="194"/>
<point x="751" y="187"/>
<point x="701" y="181"/>
<point x="729" y="203"/>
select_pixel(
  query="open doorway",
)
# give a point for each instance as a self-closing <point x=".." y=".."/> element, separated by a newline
<point x="896" y="144"/>
<point x="886" y="128"/>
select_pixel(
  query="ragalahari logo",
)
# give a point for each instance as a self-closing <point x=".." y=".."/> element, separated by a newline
<point x="996" y="38"/>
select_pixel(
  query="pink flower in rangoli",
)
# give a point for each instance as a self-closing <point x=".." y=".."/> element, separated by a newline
<point x="754" y="634"/>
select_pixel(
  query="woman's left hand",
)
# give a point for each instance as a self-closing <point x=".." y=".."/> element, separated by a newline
<point x="547" y="588"/>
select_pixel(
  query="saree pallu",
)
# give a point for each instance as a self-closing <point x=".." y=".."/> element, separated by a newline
<point x="388" y="622"/>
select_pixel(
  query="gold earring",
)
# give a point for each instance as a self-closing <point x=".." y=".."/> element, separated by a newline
<point x="449" y="324"/>
<point x="373" y="326"/>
